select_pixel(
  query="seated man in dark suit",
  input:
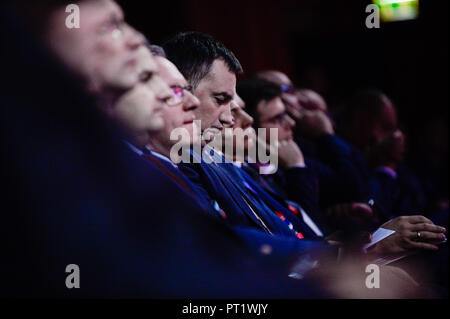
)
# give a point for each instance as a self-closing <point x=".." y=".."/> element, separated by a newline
<point x="264" y="103"/>
<point x="370" y="124"/>
<point x="325" y="153"/>
<point x="165" y="150"/>
<point x="91" y="200"/>
<point x="293" y="180"/>
<point x="90" y="197"/>
<point x="161" y="145"/>
<point x="298" y="179"/>
<point x="211" y="70"/>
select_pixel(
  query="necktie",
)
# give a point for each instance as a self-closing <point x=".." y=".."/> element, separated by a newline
<point x="223" y="177"/>
<point x="254" y="194"/>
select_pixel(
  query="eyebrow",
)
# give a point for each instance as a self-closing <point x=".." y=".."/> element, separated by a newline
<point x="226" y="95"/>
<point x="273" y="117"/>
<point x="146" y="76"/>
<point x="184" y="86"/>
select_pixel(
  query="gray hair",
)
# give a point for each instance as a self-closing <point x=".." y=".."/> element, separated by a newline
<point x="156" y="50"/>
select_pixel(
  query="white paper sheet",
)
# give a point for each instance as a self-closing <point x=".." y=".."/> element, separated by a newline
<point x="380" y="234"/>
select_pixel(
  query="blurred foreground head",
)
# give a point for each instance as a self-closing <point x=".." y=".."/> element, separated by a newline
<point x="139" y="110"/>
<point x="110" y="58"/>
<point x="103" y="51"/>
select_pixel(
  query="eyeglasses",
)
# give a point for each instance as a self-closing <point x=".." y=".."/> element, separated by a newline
<point x="287" y="88"/>
<point x="178" y="94"/>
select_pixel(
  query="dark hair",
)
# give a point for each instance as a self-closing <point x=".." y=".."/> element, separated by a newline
<point x="193" y="53"/>
<point x="156" y="50"/>
<point x="253" y="90"/>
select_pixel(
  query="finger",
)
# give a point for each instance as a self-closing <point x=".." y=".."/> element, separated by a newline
<point x="426" y="235"/>
<point x="416" y="219"/>
<point x="421" y="245"/>
<point x="427" y="227"/>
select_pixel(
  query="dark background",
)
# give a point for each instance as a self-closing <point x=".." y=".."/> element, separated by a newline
<point x="325" y="45"/>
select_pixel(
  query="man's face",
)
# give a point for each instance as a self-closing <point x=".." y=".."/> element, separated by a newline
<point x="386" y="122"/>
<point x="215" y="92"/>
<point x="180" y="115"/>
<point x="103" y="50"/>
<point x="272" y="114"/>
<point x="387" y="134"/>
<point x="288" y="96"/>
<point x="139" y="110"/>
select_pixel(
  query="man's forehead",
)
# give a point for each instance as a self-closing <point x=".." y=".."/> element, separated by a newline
<point x="220" y="79"/>
<point x="276" y="77"/>
<point x="169" y="72"/>
<point x="98" y="11"/>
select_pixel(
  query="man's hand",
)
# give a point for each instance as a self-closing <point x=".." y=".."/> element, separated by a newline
<point x="312" y="124"/>
<point x="411" y="233"/>
<point x="290" y="154"/>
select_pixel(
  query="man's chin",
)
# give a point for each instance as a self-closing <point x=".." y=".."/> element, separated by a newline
<point x="156" y="124"/>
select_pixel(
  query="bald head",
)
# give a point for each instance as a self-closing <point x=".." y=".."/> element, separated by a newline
<point x="274" y="76"/>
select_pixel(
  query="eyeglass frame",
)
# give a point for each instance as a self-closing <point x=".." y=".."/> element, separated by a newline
<point x="178" y="91"/>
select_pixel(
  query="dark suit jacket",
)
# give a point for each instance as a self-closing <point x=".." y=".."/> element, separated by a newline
<point x="77" y="195"/>
<point x="399" y="195"/>
<point x="342" y="177"/>
<point x="297" y="185"/>
<point x="222" y="183"/>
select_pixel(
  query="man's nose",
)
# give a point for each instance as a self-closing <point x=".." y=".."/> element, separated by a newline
<point x="133" y="38"/>
<point x="226" y="118"/>
<point x="191" y="102"/>
<point x="247" y="120"/>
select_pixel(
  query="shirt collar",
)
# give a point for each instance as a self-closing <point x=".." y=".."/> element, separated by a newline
<point x="164" y="158"/>
<point x="133" y="148"/>
<point x="267" y="169"/>
<point x="237" y="164"/>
